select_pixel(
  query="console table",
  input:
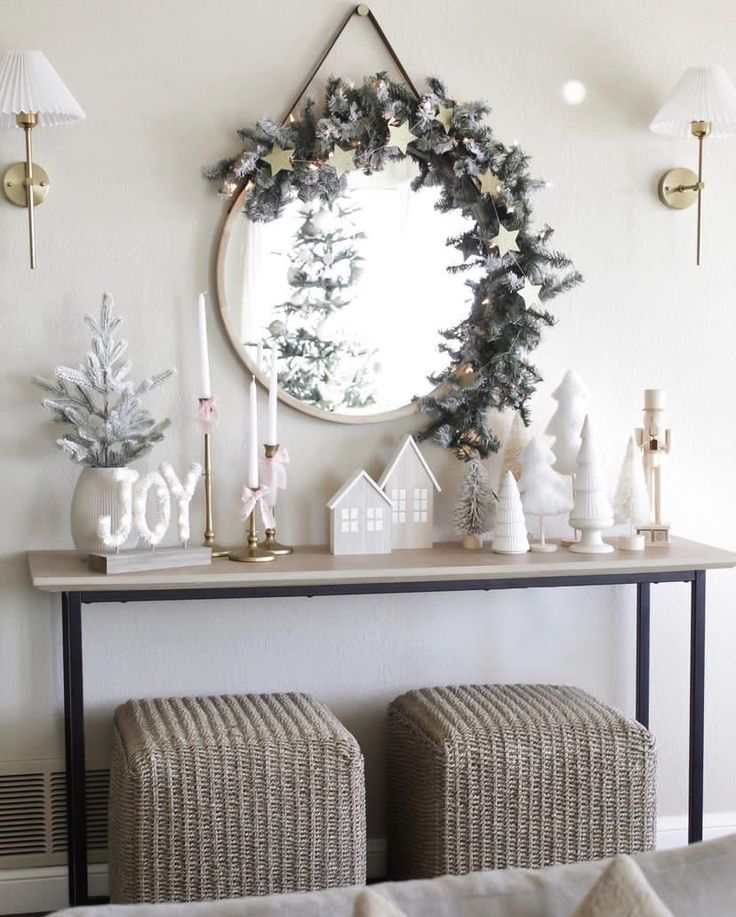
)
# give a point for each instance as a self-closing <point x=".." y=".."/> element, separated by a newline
<point x="314" y="572"/>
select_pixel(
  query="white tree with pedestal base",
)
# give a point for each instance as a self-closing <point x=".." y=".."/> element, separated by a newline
<point x="591" y="511"/>
<point x="544" y="491"/>
<point x="631" y="502"/>
<point x="509" y="534"/>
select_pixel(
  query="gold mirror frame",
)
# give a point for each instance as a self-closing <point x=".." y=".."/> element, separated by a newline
<point x="235" y="212"/>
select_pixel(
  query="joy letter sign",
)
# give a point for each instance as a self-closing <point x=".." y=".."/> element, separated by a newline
<point x="132" y="499"/>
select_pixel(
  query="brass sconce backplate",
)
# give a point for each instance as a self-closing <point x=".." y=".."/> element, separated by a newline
<point x="15" y="188"/>
<point x="678" y="189"/>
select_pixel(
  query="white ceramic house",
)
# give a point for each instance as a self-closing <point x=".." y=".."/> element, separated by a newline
<point x="360" y="517"/>
<point x="411" y="486"/>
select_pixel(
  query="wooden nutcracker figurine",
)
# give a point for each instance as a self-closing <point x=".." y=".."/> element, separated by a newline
<point x="654" y="441"/>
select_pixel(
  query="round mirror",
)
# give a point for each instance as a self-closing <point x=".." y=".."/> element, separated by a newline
<point x="351" y="296"/>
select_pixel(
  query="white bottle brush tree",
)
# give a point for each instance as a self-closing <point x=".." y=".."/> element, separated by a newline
<point x="475" y="505"/>
<point x="631" y="504"/>
<point x="110" y="428"/>
<point x="566" y="423"/>
<point x="591" y="511"/>
<point x="544" y="491"/>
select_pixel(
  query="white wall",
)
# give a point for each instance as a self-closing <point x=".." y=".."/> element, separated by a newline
<point x="164" y="85"/>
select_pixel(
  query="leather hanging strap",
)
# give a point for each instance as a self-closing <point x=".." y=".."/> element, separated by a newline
<point x="363" y="11"/>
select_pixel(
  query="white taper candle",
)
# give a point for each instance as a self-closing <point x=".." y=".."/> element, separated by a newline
<point x="273" y="399"/>
<point x="205" y="385"/>
<point x="253" y="437"/>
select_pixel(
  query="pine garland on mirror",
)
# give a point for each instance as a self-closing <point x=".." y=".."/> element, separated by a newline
<point x="512" y="270"/>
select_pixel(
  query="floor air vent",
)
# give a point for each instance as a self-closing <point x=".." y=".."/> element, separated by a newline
<point x="33" y="814"/>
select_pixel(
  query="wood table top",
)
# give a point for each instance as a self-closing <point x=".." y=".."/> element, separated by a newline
<point x="67" y="571"/>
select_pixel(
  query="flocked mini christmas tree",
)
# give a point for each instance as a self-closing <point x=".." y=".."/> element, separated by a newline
<point x="631" y="504"/>
<point x="318" y="363"/>
<point x="516" y="443"/>
<point x="591" y="511"/>
<point x="544" y="491"/>
<point x="566" y="423"/>
<point x="98" y="401"/>
<point x="475" y="504"/>
<point x="509" y="534"/>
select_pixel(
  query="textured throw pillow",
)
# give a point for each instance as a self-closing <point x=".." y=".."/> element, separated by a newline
<point x="622" y="891"/>
<point x="371" y="904"/>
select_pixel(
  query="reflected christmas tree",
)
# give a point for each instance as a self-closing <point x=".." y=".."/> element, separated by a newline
<point x="318" y="362"/>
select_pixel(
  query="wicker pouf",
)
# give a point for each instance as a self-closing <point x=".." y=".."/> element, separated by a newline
<point x="220" y="797"/>
<point x="485" y="777"/>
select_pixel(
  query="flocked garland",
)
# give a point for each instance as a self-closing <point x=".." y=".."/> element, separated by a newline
<point x="515" y="269"/>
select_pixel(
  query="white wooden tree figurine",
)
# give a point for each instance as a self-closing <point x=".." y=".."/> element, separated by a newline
<point x="410" y="485"/>
<point x="544" y="491"/>
<point x="631" y="504"/>
<point x="567" y="421"/>
<point x="591" y="511"/>
<point x="516" y="443"/>
<point x="509" y="535"/>
<point x="360" y="517"/>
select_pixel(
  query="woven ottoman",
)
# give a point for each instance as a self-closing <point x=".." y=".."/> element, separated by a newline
<point x="486" y="777"/>
<point x="220" y="797"/>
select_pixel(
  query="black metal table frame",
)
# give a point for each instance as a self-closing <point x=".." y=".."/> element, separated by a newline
<point x="72" y="602"/>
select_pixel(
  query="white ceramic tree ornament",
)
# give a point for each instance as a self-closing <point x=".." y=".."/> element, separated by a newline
<point x="509" y="536"/>
<point x="591" y="511"/>
<point x="566" y="423"/>
<point x="631" y="502"/>
<point x="544" y="491"/>
<point x="516" y="443"/>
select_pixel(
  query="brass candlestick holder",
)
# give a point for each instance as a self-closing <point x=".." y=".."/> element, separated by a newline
<point x="269" y="543"/>
<point x="209" y="531"/>
<point x="253" y="553"/>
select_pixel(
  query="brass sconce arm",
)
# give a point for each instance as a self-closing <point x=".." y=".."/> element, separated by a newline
<point x="26" y="184"/>
<point x="681" y="188"/>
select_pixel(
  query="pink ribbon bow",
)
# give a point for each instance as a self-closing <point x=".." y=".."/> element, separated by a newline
<point x="273" y="471"/>
<point x="253" y="496"/>
<point x="207" y="415"/>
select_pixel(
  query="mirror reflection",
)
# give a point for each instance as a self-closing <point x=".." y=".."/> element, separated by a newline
<point x="352" y="296"/>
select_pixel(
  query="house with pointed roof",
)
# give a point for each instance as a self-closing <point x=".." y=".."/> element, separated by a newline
<point x="409" y="483"/>
<point x="360" y="517"/>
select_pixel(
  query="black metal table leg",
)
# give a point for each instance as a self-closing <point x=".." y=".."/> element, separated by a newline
<point x="697" y="707"/>
<point x="71" y="606"/>
<point x="642" y="653"/>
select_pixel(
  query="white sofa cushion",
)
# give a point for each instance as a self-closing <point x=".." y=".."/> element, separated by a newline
<point x="622" y="891"/>
<point x="694" y="881"/>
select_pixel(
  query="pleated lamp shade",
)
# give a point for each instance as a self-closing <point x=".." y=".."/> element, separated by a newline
<point x="28" y="83"/>
<point x="703" y="94"/>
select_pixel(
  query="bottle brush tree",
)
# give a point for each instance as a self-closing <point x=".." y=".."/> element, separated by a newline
<point x="109" y="426"/>
<point x="474" y="508"/>
<point x="631" y="504"/>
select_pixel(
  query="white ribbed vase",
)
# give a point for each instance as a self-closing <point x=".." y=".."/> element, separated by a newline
<point x="94" y="496"/>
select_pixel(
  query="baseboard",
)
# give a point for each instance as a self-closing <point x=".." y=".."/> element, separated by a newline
<point x="33" y="891"/>
<point x="672" y="829"/>
<point x="28" y="891"/>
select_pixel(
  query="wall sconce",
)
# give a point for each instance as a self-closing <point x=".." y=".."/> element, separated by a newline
<point x="32" y="94"/>
<point x="702" y="105"/>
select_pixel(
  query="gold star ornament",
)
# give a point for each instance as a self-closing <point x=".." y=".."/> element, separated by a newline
<point x="400" y="136"/>
<point x="530" y="293"/>
<point x="342" y="161"/>
<point x="505" y="241"/>
<point x="489" y="183"/>
<point x="279" y="160"/>
<point x="445" y="117"/>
